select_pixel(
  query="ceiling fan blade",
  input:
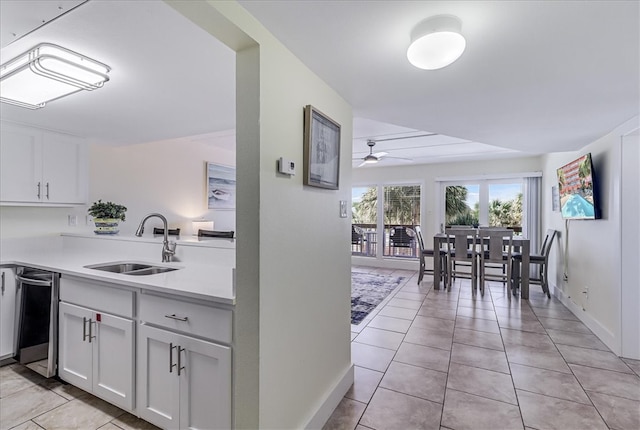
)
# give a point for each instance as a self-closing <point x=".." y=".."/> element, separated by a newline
<point x="409" y="160"/>
<point x="363" y="164"/>
<point x="380" y="154"/>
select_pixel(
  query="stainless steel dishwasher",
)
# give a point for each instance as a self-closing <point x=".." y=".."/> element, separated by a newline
<point x="37" y="320"/>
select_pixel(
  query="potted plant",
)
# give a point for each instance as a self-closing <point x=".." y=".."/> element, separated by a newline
<point x="106" y="216"/>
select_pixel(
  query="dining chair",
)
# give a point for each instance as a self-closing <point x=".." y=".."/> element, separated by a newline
<point x="462" y="248"/>
<point x="216" y="233"/>
<point x="496" y="250"/>
<point x="541" y="259"/>
<point x="429" y="253"/>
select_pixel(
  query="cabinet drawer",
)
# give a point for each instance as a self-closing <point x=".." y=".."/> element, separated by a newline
<point x="97" y="296"/>
<point x="204" y="321"/>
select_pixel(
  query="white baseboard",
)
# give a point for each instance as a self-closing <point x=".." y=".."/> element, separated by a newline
<point x="594" y="325"/>
<point x="327" y="407"/>
<point x="386" y="263"/>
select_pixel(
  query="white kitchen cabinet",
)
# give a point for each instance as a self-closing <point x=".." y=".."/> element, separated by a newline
<point x="183" y="382"/>
<point x="41" y="167"/>
<point x="96" y="353"/>
<point x="7" y="312"/>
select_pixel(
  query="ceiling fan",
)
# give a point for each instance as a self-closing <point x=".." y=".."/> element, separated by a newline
<point x="372" y="158"/>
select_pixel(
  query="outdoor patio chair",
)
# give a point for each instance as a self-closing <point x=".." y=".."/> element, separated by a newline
<point x="357" y="239"/>
<point x="402" y="237"/>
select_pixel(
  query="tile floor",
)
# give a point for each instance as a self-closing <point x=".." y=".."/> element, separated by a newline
<point x="29" y="401"/>
<point x="434" y="359"/>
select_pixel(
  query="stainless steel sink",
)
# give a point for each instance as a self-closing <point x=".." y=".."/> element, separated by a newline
<point x="130" y="268"/>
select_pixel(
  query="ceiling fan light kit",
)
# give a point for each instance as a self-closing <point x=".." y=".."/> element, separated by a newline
<point x="436" y="42"/>
<point x="48" y="72"/>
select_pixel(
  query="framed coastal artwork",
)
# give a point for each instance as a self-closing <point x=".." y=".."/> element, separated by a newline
<point x="221" y="186"/>
<point x="321" y="150"/>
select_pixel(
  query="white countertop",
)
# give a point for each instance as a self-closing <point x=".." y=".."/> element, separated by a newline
<point x="202" y="281"/>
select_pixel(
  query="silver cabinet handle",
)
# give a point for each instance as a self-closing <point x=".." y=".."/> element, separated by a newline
<point x="30" y="281"/>
<point x="2" y="288"/>
<point x="180" y="366"/>
<point x="171" y="365"/>
<point x="47" y="190"/>
<point x="174" y="317"/>
<point x="38" y="190"/>
<point x="91" y="331"/>
<point x="84" y="329"/>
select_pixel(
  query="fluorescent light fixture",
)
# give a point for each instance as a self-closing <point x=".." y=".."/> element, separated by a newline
<point x="48" y="72"/>
<point x="436" y="42"/>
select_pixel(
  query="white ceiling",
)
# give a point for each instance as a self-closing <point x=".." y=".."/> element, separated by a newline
<point x="537" y="76"/>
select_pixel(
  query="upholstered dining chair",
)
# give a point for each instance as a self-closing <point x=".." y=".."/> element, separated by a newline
<point x="496" y="251"/>
<point x="462" y="248"/>
<point x="541" y="260"/>
<point x="429" y="253"/>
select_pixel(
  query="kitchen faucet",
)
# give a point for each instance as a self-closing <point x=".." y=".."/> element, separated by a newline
<point x="168" y="249"/>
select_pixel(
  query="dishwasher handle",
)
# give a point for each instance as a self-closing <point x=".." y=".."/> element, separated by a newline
<point x="36" y="282"/>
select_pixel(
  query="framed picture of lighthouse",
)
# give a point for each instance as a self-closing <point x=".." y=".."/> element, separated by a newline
<point x="321" y="150"/>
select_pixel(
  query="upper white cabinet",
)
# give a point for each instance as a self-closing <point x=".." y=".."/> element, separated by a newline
<point x="41" y="167"/>
<point x="7" y="312"/>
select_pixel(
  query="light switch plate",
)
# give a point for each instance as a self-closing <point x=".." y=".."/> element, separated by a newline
<point x="343" y="208"/>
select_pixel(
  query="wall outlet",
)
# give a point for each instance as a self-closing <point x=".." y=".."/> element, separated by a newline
<point x="72" y="220"/>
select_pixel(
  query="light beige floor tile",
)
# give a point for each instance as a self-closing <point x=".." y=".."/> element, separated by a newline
<point x="437" y="304"/>
<point x="361" y="427"/>
<point x="521" y="324"/>
<point x="617" y="412"/>
<point x="430" y="337"/>
<point x="403" y="303"/>
<point x="382" y="338"/>
<point x="389" y="323"/>
<point x="15" y="377"/>
<point x="29" y="425"/>
<point x="391" y="410"/>
<point x="565" y="325"/>
<point x="536" y="357"/>
<point x="353" y="335"/>
<point x="593" y="358"/>
<point x="433" y="323"/>
<point x="482" y="382"/>
<point x="371" y="357"/>
<point x="521" y="313"/>
<point x="365" y="382"/>
<point x="558" y="313"/>
<point x="475" y="304"/>
<point x="485" y="314"/>
<point x="410" y="296"/>
<point x="549" y="383"/>
<point x="478" y="338"/>
<point x="618" y="384"/>
<point x="65" y="390"/>
<point x="465" y="411"/>
<point x="395" y="312"/>
<point x="83" y="413"/>
<point x="483" y="358"/>
<point x="633" y="364"/>
<point x="109" y="426"/>
<point x="345" y="416"/>
<point x="27" y="404"/>
<point x="423" y="356"/>
<point x="127" y="421"/>
<point x="477" y="324"/>
<point x="445" y="314"/>
<point x="415" y="381"/>
<point x="583" y="340"/>
<point x="544" y="412"/>
<point x="416" y="289"/>
<point x="526" y="338"/>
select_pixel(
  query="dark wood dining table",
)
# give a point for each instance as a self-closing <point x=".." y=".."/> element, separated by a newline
<point x="520" y="244"/>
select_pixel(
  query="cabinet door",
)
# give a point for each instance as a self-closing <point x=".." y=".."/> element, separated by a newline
<point x="7" y="312"/>
<point x="63" y="164"/>
<point x="157" y="387"/>
<point x="74" y="349"/>
<point x="20" y="165"/>
<point x="113" y="359"/>
<point x="205" y="385"/>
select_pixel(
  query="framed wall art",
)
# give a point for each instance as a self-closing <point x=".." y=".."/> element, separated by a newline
<point x="221" y="186"/>
<point x="321" y="150"/>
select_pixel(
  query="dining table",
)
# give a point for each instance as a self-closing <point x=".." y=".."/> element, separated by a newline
<point x="520" y="244"/>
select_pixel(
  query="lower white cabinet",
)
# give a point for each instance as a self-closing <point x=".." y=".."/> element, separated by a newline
<point x="96" y="353"/>
<point x="183" y="382"/>
<point x="7" y="312"/>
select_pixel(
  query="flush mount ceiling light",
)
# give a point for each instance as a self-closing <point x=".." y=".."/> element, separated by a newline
<point x="48" y="72"/>
<point x="436" y="42"/>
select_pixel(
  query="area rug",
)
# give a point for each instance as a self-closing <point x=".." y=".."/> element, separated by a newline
<point x="368" y="290"/>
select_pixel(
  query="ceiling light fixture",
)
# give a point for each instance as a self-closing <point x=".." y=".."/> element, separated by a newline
<point x="48" y="72"/>
<point x="436" y="42"/>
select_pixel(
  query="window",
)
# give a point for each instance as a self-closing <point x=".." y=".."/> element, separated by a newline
<point x="364" y="215"/>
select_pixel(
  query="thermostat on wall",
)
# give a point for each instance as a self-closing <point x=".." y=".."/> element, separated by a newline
<point x="288" y="167"/>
